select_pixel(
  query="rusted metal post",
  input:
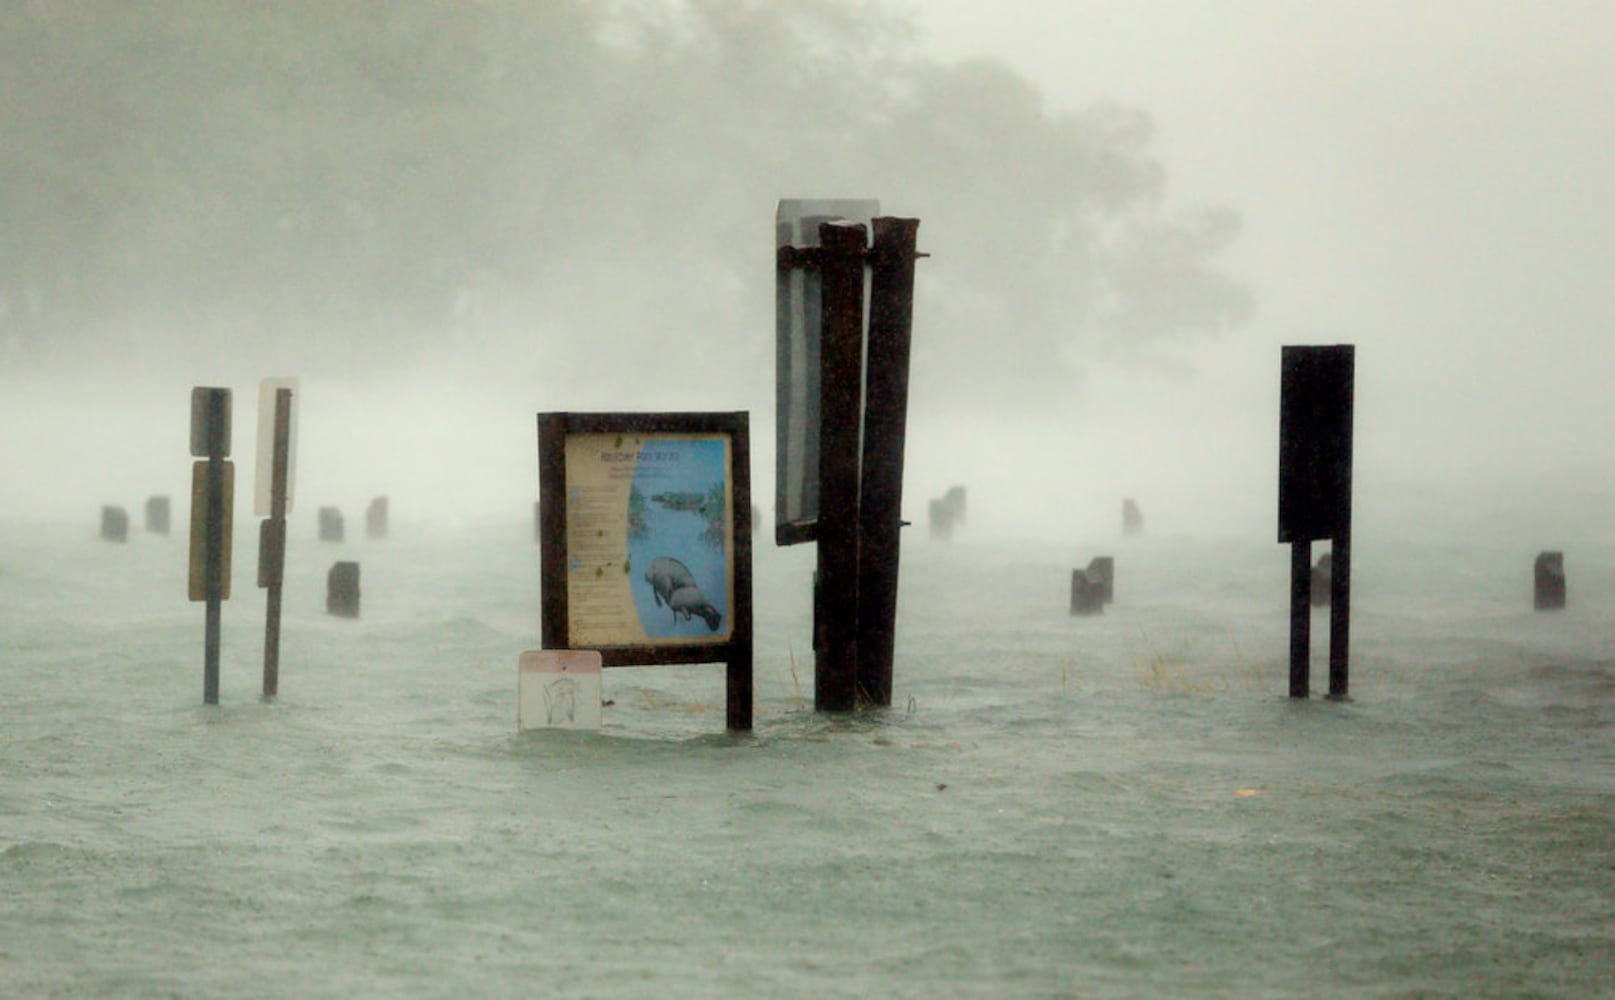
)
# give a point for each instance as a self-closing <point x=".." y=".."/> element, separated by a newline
<point x="841" y="391"/>
<point x="1340" y="613"/>
<point x="1300" y="619"/>
<point x="891" y="316"/>
<point x="272" y="553"/>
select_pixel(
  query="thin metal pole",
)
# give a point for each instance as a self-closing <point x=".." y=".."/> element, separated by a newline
<point x="1300" y="618"/>
<point x="213" y="578"/>
<point x="1340" y="613"/>
<point x="841" y="367"/>
<point x="277" y="555"/>
<point x="891" y="315"/>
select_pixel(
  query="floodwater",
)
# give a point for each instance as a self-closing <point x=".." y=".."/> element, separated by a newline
<point x="1120" y="805"/>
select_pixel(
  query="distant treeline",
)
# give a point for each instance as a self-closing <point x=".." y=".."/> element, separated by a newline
<point x="348" y="169"/>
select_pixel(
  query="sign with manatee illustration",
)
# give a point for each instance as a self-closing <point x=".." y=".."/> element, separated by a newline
<point x="645" y="534"/>
<point x="650" y="538"/>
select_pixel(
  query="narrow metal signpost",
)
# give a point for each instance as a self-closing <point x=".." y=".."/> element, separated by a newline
<point x="272" y="532"/>
<point x="1315" y="459"/>
<point x="212" y="492"/>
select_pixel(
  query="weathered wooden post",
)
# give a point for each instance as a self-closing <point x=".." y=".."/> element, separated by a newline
<point x="1087" y="595"/>
<point x="1102" y="572"/>
<point x="272" y="532"/>
<point x="375" y="519"/>
<point x="1315" y="458"/>
<point x="1132" y="518"/>
<point x="841" y="271"/>
<point x="880" y="506"/>
<point x="212" y="494"/>
<point x="939" y="520"/>
<point x="1549" y="587"/>
<point x="342" y="590"/>
<point x="331" y="524"/>
<point x="114" y="524"/>
<point x="157" y="515"/>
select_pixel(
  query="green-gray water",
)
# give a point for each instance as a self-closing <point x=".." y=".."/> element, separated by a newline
<point x="1124" y="805"/>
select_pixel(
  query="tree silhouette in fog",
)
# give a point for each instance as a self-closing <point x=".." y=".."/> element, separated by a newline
<point x="558" y="183"/>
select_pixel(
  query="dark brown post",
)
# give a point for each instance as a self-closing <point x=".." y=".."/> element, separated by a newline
<point x="841" y="375"/>
<point x="891" y="316"/>
<point x="210" y="438"/>
<point x="1548" y="590"/>
<point x="1300" y="619"/>
<point x="1340" y="612"/>
<point x="272" y="547"/>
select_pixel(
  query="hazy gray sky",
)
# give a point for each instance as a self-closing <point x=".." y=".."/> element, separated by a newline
<point x="1433" y="181"/>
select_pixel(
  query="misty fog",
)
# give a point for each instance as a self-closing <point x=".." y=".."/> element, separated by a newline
<point x="447" y="217"/>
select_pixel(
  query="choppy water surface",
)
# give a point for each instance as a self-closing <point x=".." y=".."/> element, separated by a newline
<point x="1124" y="805"/>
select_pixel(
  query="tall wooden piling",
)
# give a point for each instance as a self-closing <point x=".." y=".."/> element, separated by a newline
<point x="835" y="676"/>
<point x="891" y="315"/>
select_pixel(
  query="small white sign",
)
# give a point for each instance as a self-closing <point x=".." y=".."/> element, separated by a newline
<point x="558" y="688"/>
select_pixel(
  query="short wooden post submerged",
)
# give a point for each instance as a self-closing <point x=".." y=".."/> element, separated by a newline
<point x="939" y="520"/>
<point x="1087" y="595"/>
<point x="1323" y="581"/>
<point x="331" y="524"/>
<point x="375" y="520"/>
<point x="157" y="515"/>
<point x="1132" y="518"/>
<point x="114" y="524"/>
<point x="1548" y="590"/>
<point x="1102" y="572"/>
<point x="342" y="590"/>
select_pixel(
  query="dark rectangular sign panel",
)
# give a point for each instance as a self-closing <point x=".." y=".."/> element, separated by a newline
<point x="1315" y="447"/>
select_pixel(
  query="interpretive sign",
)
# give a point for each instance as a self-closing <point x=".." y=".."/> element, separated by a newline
<point x="645" y="536"/>
<point x="558" y="688"/>
<point x="798" y="305"/>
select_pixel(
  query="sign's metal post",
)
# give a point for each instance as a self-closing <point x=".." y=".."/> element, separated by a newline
<point x="891" y="315"/>
<point x="211" y="483"/>
<point x="841" y="398"/>
<point x="1300" y="619"/>
<point x="1340" y="614"/>
<point x="738" y="664"/>
<point x="272" y="548"/>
